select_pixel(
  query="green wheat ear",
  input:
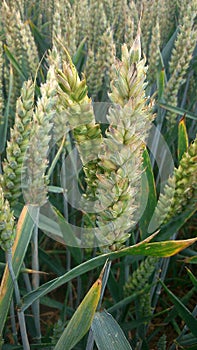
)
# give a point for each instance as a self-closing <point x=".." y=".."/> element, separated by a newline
<point x="34" y="180"/>
<point x="181" y="57"/>
<point x="154" y="59"/>
<point x="120" y="165"/>
<point x="17" y="146"/>
<point x="139" y="280"/>
<point x="7" y="232"/>
<point x="181" y="189"/>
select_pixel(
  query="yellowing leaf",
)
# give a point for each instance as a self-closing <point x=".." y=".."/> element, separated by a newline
<point x="81" y="321"/>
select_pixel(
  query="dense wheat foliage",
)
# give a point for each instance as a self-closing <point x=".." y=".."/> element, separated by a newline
<point x="98" y="174"/>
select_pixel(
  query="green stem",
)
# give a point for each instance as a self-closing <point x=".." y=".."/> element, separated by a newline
<point x="13" y="322"/>
<point x="55" y="160"/>
<point x="21" y="316"/>
<point x="36" y="280"/>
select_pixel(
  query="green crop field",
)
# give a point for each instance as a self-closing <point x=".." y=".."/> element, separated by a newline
<point x="98" y="174"/>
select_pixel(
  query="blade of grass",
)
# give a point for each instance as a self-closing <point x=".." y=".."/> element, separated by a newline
<point x="107" y="333"/>
<point x="183" y="311"/>
<point x="14" y="63"/>
<point x="192" y="277"/>
<point x="81" y="321"/>
<point x="148" y="186"/>
<point x="182" y="138"/>
<point x="4" y="122"/>
<point x="177" y="110"/>
<point x="143" y="248"/>
<point x="21" y="316"/>
<point x="23" y="235"/>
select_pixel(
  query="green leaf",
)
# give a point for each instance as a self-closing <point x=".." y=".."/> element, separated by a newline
<point x="81" y="321"/>
<point x="14" y="63"/>
<point x="55" y="189"/>
<point x="57" y="228"/>
<point x="167" y="50"/>
<point x="161" y="84"/>
<point x="79" y="53"/>
<point x="107" y="333"/>
<point x="148" y="188"/>
<point x="177" y="110"/>
<point x="52" y="263"/>
<point x="192" y="277"/>
<point x="185" y="314"/>
<point x="39" y="37"/>
<point x="24" y="230"/>
<point x="187" y="341"/>
<point x="159" y="249"/>
<point x="191" y="260"/>
<point x="4" y="119"/>
<point x="182" y="138"/>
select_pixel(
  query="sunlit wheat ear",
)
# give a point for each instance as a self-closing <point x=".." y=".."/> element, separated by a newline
<point x="154" y="58"/>
<point x="79" y="114"/>
<point x="36" y="159"/>
<point x="181" y="190"/>
<point x="82" y="19"/>
<point x="181" y="58"/>
<point x="30" y="48"/>
<point x="129" y="30"/>
<point x="133" y="15"/>
<point x="120" y="15"/>
<point x="93" y="72"/>
<point x="7" y="231"/>
<point x="12" y="32"/>
<point x="106" y="57"/>
<point x="109" y="11"/>
<point x="149" y="15"/>
<point x="97" y="24"/>
<point x="13" y="41"/>
<point x="57" y="34"/>
<point x="98" y="68"/>
<point x="17" y="146"/>
<point x="166" y="15"/>
<point x="64" y="27"/>
<point x="121" y="155"/>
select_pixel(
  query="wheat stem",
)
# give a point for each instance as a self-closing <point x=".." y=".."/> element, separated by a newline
<point x="36" y="280"/>
<point x="21" y="316"/>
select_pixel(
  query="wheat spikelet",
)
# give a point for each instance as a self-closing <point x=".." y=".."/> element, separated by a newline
<point x="167" y="19"/>
<point x="97" y="24"/>
<point x="120" y="11"/>
<point x="13" y="41"/>
<point x="12" y="31"/>
<point x="109" y="11"/>
<point x="140" y="280"/>
<point x="81" y="11"/>
<point x="149" y="15"/>
<point x="180" y="60"/>
<point x="34" y="182"/>
<point x="154" y="58"/>
<point x="93" y="72"/>
<point x="17" y="146"/>
<point x="30" y="48"/>
<point x="180" y="191"/>
<point x="78" y="111"/>
<point x="121" y="155"/>
<point x="7" y="232"/>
